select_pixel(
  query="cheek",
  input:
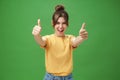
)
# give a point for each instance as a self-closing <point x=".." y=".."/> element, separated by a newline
<point x="65" y="26"/>
<point x="55" y="27"/>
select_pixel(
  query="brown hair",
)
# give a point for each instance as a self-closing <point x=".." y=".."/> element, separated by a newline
<point x="60" y="12"/>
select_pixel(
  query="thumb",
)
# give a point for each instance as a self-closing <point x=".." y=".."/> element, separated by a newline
<point x="39" y="22"/>
<point x="83" y="26"/>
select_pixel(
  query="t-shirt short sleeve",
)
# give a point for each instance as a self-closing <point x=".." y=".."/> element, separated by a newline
<point x="72" y="38"/>
<point x="45" y="38"/>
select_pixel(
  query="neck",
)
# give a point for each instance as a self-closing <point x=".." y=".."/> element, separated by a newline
<point x="59" y="35"/>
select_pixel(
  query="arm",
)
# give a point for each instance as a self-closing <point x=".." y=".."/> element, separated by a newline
<point x="76" y="41"/>
<point x="38" y="38"/>
<point x="83" y="35"/>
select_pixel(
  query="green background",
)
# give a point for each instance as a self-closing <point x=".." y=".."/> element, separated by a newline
<point x="98" y="58"/>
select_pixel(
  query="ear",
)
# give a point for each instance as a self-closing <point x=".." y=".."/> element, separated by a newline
<point x="52" y="22"/>
<point x="67" y="23"/>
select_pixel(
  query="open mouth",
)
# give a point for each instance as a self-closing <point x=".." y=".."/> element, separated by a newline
<point x="60" y="30"/>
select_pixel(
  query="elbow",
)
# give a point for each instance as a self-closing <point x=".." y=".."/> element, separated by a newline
<point x="74" y="45"/>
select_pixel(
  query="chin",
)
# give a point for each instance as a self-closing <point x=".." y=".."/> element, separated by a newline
<point x="60" y="34"/>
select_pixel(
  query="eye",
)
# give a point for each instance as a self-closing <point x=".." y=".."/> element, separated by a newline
<point x="64" y="22"/>
<point x="57" y="23"/>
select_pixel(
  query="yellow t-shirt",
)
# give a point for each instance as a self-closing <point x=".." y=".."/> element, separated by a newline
<point x="58" y="57"/>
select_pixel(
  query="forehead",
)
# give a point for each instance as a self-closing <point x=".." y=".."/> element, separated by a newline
<point x="61" y="19"/>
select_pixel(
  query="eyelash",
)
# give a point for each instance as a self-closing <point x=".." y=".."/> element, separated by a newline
<point x="59" y="23"/>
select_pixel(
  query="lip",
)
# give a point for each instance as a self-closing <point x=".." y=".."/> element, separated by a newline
<point x="60" y="30"/>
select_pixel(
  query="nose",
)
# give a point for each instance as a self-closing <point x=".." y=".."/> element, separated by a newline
<point x="61" y="25"/>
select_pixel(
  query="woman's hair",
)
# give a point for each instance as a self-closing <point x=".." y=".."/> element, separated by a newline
<point x="60" y="12"/>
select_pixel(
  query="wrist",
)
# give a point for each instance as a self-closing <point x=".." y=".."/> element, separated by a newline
<point x="80" y="38"/>
<point x="37" y="35"/>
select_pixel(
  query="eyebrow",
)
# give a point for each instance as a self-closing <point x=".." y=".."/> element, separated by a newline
<point x="65" y="22"/>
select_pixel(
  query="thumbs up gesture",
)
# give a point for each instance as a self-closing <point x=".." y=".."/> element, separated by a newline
<point x="37" y="28"/>
<point x="83" y="33"/>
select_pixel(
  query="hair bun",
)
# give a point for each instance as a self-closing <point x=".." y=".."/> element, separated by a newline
<point x="59" y="8"/>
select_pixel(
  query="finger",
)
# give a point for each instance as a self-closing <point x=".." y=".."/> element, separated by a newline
<point x="83" y="26"/>
<point x="85" y="33"/>
<point x="38" y="22"/>
<point x="38" y="30"/>
<point x="84" y="37"/>
<point x="37" y="27"/>
<point x="35" y="32"/>
<point x="82" y="31"/>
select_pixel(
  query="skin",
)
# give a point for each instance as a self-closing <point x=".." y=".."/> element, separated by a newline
<point x="59" y="30"/>
<point x="60" y="27"/>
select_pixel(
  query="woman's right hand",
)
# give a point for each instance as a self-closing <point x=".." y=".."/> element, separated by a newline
<point x="37" y="29"/>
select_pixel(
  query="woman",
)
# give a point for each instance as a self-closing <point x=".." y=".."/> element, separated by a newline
<point x="59" y="46"/>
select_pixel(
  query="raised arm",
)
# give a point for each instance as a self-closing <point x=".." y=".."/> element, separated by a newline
<point x="36" y="33"/>
<point x="83" y="35"/>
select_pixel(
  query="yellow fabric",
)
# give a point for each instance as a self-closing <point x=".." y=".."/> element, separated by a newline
<point x="58" y="57"/>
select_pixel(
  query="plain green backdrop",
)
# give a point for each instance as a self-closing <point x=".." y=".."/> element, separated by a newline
<point x="98" y="58"/>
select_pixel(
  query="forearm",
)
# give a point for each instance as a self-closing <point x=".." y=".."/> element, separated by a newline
<point x="39" y="40"/>
<point x="83" y="35"/>
<point x="77" y="41"/>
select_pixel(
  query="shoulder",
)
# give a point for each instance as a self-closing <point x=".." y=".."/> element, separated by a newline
<point x="47" y="36"/>
<point x="70" y="36"/>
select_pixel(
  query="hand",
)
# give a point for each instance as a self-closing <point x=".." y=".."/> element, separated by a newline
<point x="83" y="33"/>
<point x="37" y="29"/>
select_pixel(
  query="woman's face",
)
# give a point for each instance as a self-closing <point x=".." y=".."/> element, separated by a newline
<point x="60" y="27"/>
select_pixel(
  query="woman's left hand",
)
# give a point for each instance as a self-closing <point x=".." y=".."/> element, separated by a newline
<point x="83" y="33"/>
